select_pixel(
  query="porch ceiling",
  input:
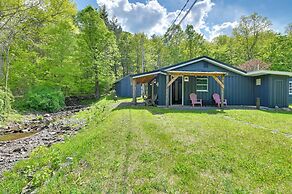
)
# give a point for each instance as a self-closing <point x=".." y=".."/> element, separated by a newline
<point x="194" y="73"/>
<point x="144" y="79"/>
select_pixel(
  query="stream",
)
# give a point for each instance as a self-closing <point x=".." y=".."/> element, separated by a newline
<point x="18" y="140"/>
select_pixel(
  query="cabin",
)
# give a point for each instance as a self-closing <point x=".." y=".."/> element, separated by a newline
<point x="123" y="87"/>
<point x="204" y="76"/>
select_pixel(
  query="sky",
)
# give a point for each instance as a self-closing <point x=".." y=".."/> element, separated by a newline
<point x="209" y="17"/>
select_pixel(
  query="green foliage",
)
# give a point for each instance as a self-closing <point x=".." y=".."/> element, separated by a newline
<point x="43" y="98"/>
<point x="100" y="50"/>
<point x="6" y="99"/>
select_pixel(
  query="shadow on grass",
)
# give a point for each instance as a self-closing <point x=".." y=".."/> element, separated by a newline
<point x="189" y="109"/>
<point x="164" y="110"/>
<point x="284" y="112"/>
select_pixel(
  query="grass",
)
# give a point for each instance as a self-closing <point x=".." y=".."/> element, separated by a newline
<point x="13" y="116"/>
<point x="152" y="150"/>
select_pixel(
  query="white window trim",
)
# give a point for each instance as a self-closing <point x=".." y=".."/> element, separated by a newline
<point x="203" y="78"/>
<point x="290" y="87"/>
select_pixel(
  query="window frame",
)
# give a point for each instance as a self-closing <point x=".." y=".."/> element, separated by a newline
<point x="258" y="82"/>
<point x="290" y="87"/>
<point x="205" y="84"/>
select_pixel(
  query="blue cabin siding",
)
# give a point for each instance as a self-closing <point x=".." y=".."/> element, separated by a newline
<point x="262" y="91"/>
<point x="239" y="90"/>
<point x="123" y="88"/>
<point x="161" y="80"/>
<point x="278" y="95"/>
<point x="290" y="95"/>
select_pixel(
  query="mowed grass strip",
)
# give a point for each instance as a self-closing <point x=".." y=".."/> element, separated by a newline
<point x="152" y="150"/>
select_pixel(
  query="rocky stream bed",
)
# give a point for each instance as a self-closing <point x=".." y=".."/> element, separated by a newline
<point x="34" y="131"/>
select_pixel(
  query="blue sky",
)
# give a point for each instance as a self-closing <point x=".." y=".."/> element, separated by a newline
<point x="210" y="17"/>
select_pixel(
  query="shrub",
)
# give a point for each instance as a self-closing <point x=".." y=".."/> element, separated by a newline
<point x="6" y="99"/>
<point x="43" y="98"/>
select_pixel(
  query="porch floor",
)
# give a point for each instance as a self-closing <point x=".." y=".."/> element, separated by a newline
<point x="188" y="107"/>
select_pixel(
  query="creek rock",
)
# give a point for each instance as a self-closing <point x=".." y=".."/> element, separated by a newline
<point x="47" y="130"/>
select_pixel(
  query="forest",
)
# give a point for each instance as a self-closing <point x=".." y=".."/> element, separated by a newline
<point x="49" y="50"/>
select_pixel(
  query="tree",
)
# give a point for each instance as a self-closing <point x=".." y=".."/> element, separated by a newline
<point x="249" y="31"/>
<point x="22" y="20"/>
<point x="194" y="42"/>
<point x="99" y="46"/>
<point x="288" y="29"/>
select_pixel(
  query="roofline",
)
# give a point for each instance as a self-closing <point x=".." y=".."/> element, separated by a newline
<point x="220" y="64"/>
<point x="146" y="74"/>
<point x="268" y="72"/>
<point x="121" y="78"/>
<point x="199" y="72"/>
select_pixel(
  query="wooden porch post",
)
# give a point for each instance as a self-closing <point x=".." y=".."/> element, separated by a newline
<point x="134" y="84"/>
<point x="183" y="90"/>
<point x="167" y="91"/>
<point x="222" y="91"/>
<point x="170" y="91"/>
<point x="152" y="90"/>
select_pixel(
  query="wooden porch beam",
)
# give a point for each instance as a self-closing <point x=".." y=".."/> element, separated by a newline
<point x="219" y="81"/>
<point x="167" y="92"/>
<point x="134" y="84"/>
<point x="222" y="92"/>
<point x="152" y="90"/>
<point x="172" y="80"/>
<point x="183" y="90"/>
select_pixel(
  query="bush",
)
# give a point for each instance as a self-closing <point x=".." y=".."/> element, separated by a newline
<point x="43" y="98"/>
<point x="6" y="99"/>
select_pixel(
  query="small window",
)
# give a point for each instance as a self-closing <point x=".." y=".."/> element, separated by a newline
<point x="290" y="87"/>
<point x="258" y="82"/>
<point x="202" y="84"/>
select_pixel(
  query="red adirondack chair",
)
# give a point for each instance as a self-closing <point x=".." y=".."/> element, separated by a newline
<point x="195" y="100"/>
<point x="217" y="100"/>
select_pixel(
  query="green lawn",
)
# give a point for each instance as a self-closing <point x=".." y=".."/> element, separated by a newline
<point x="146" y="150"/>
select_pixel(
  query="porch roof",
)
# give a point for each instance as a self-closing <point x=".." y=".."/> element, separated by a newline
<point x="197" y="73"/>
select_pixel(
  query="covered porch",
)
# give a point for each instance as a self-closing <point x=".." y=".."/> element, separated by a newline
<point x="174" y="89"/>
<point x="183" y="77"/>
<point x="149" y="84"/>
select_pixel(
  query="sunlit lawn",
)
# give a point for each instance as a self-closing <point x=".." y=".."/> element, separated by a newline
<point x="151" y="150"/>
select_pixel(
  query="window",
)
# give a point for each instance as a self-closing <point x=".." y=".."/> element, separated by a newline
<point x="290" y="87"/>
<point x="258" y="82"/>
<point x="202" y="84"/>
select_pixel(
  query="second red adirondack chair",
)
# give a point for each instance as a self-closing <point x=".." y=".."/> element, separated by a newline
<point x="217" y="100"/>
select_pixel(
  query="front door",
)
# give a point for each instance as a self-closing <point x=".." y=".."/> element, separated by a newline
<point x="176" y="91"/>
<point x="279" y="94"/>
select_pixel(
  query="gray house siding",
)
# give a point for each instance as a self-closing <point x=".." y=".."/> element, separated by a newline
<point x="290" y="95"/>
<point x="123" y="88"/>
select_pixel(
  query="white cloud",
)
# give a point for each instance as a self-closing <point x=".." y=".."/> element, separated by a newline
<point x="219" y="29"/>
<point x="152" y="18"/>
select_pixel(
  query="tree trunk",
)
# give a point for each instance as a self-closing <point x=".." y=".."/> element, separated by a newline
<point x="1" y="62"/>
<point x="97" y="93"/>
<point x="7" y="69"/>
